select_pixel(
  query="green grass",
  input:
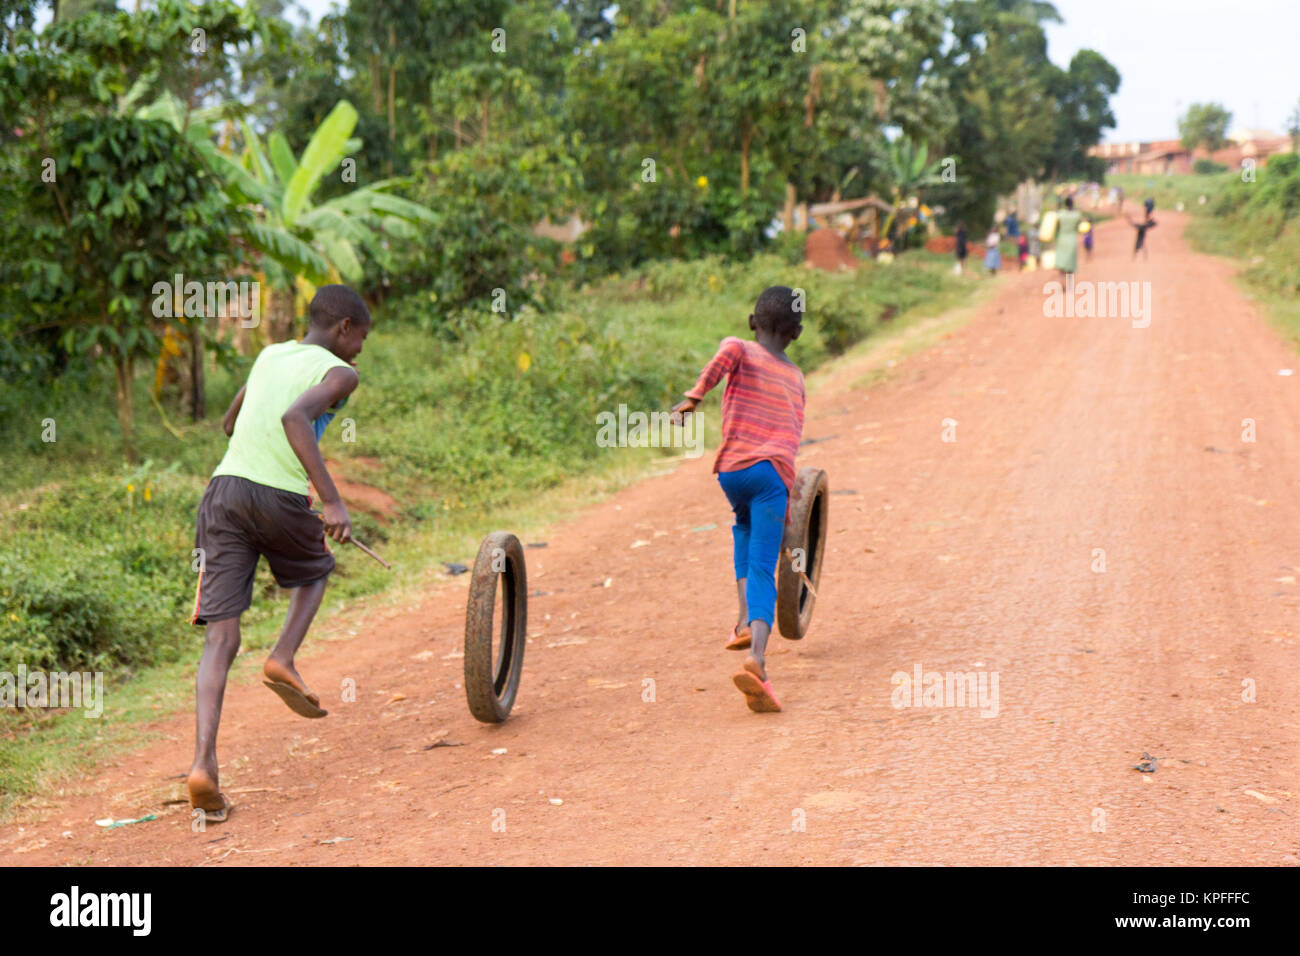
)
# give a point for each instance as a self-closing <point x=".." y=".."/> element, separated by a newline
<point x="1169" y="191"/>
<point x="468" y="436"/>
<point x="1269" y="271"/>
<point x="1256" y="223"/>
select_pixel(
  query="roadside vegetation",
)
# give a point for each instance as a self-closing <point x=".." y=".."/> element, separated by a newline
<point x="1256" y="221"/>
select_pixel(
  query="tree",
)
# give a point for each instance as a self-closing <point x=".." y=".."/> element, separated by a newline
<point x="71" y="9"/>
<point x="513" y="166"/>
<point x="1204" y="124"/>
<point x="588" y="18"/>
<point x="642" y="155"/>
<point x="755" y="77"/>
<point x="1293" y="128"/>
<point x="997" y="68"/>
<point x="112" y="204"/>
<point x="400" y="52"/>
<point x="1083" y="113"/>
<point x="895" y="44"/>
<point x="16" y="15"/>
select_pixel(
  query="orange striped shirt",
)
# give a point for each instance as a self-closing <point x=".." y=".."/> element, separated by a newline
<point x="762" y="407"/>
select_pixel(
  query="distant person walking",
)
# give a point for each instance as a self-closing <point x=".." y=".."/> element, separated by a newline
<point x="1067" y="238"/>
<point x="992" y="255"/>
<point x="1088" y="229"/>
<point x="962" y="251"/>
<point x="1141" y="227"/>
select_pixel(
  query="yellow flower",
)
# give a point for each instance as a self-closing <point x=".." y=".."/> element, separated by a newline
<point x="525" y="361"/>
<point x="702" y="182"/>
<point x="147" y="493"/>
<point x="130" y="488"/>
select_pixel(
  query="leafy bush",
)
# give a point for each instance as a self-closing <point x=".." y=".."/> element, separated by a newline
<point x="487" y="197"/>
<point x="97" y="574"/>
<point x="1207" y="167"/>
<point x="789" y="246"/>
<point x="1260" y="221"/>
<point x="673" y="218"/>
<point x="1258" y="211"/>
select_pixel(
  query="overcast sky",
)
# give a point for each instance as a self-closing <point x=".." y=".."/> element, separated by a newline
<point x="1169" y="53"/>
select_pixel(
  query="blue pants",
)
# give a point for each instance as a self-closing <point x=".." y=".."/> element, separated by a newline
<point x="758" y="497"/>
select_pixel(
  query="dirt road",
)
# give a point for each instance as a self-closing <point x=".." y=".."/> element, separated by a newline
<point x="974" y="555"/>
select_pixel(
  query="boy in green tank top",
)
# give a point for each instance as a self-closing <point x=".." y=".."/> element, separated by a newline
<point x="257" y="504"/>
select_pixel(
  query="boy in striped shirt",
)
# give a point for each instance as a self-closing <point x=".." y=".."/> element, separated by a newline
<point x="762" y="422"/>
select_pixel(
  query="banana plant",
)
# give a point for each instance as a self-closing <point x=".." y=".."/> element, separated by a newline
<point x="906" y="170"/>
<point x="301" y="240"/>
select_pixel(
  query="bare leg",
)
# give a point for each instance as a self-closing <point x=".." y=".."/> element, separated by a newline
<point x="758" y="634"/>
<point x="744" y="607"/>
<point x="303" y="605"/>
<point x="220" y="645"/>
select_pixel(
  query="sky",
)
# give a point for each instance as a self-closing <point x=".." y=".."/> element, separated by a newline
<point x="1244" y="54"/>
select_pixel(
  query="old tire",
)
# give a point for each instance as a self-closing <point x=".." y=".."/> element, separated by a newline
<point x="805" y="543"/>
<point x="492" y="679"/>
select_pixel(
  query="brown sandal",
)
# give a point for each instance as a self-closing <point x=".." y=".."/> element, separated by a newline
<point x="297" y="701"/>
<point x="739" y="639"/>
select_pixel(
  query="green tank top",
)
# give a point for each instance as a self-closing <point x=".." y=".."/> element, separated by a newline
<point x="259" y="450"/>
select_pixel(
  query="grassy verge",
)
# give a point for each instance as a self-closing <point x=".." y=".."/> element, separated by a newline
<point x="493" y="429"/>
<point x="1254" y="222"/>
<point x="1169" y="191"/>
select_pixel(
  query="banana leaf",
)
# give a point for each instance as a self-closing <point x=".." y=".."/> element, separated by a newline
<point x="327" y="147"/>
<point x="290" y="252"/>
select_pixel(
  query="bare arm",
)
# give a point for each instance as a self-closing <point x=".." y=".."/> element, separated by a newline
<point x="232" y="413"/>
<point x="337" y="385"/>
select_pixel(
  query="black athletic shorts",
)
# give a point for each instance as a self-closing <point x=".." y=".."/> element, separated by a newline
<point x="240" y="520"/>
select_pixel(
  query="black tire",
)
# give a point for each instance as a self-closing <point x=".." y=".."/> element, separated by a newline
<point x="491" y="684"/>
<point x="805" y="536"/>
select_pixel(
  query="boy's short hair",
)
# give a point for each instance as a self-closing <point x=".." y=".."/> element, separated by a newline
<point x="333" y="303"/>
<point x="775" y="311"/>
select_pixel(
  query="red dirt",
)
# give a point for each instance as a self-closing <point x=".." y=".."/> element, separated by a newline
<point x="364" y="463"/>
<point x="826" y="249"/>
<point x="975" y="555"/>
<point x="944" y="244"/>
<point x="358" y="495"/>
